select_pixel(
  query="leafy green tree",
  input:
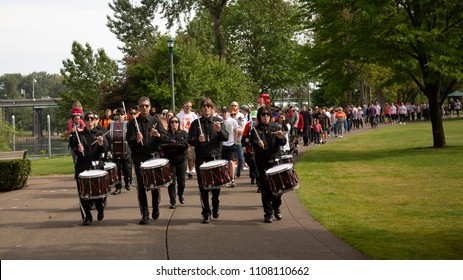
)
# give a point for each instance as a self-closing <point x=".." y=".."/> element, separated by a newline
<point x="132" y="25"/>
<point x="196" y="76"/>
<point x="88" y="76"/>
<point x="417" y="38"/>
<point x="174" y="10"/>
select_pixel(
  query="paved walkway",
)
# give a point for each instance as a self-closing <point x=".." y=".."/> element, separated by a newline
<point x="43" y="221"/>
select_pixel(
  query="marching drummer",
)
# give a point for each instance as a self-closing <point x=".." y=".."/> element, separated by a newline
<point x="89" y="146"/>
<point x="206" y="135"/>
<point x="144" y="137"/>
<point x="267" y="140"/>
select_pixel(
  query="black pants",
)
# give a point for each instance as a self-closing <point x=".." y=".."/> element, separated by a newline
<point x="178" y="176"/>
<point x="270" y="202"/>
<point x="307" y="134"/>
<point x="204" y="194"/>
<point x="123" y="167"/>
<point x="249" y="159"/>
<point x="141" y="190"/>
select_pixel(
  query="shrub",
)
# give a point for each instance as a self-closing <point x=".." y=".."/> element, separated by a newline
<point x="14" y="173"/>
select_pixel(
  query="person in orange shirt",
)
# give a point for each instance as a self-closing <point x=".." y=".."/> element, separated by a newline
<point x="106" y="120"/>
<point x="340" y="119"/>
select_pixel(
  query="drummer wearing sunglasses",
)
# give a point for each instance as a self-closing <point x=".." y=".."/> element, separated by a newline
<point x="175" y="150"/>
<point x="206" y="135"/>
<point x="267" y="139"/>
<point x="89" y="145"/>
<point x="144" y="135"/>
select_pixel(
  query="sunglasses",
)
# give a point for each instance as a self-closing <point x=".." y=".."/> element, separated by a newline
<point x="145" y="105"/>
<point x="232" y="115"/>
<point x="234" y="105"/>
<point x="89" y="119"/>
<point x="266" y="114"/>
<point x="132" y="113"/>
<point x="120" y="114"/>
<point x="207" y="105"/>
<point x="187" y="105"/>
<point x="173" y="121"/>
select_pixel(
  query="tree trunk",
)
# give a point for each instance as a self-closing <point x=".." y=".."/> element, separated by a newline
<point x="435" y="111"/>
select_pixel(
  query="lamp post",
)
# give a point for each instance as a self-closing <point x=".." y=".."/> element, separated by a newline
<point x="170" y="44"/>
<point x="33" y="87"/>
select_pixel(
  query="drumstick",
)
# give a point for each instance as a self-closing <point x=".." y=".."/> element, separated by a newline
<point x="136" y="123"/>
<point x="78" y="139"/>
<point x="200" y="129"/>
<point x="257" y="134"/>
<point x="101" y="135"/>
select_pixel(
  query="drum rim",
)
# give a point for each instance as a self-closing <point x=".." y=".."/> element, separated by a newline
<point x="101" y="172"/>
<point x="223" y="162"/>
<point x="287" y="156"/>
<point x="281" y="167"/>
<point x="162" y="162"/>
<point x="112" y="164"/>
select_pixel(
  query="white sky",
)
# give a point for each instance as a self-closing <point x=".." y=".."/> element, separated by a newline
<point x="36" y="35"/>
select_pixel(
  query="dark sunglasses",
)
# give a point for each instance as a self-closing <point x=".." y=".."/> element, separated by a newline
<point x="232" y="115"/>
<point x="173" y="121"/>
<point x="144" y="105"/>
<point x="120" y="114"/>
<point x="132" y="113"/>
<point x="266" y="114"/>
<point x="89" y="119"/>
<point x="187" y="105"/>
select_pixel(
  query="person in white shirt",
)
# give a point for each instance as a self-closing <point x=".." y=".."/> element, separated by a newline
<point x="229" y="146"/>
<point x="186" y="117"/>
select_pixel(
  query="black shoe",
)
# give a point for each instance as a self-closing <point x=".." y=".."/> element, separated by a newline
<point x="268" y="219"/>
<point x="190" y="176"/>
<point x="238" y="175"/>
<point x="181" y="199"/>
<point x="87" y="221"/>
<point x="128" y="186"/>
<point x="252" y="181"/>
<point x="92" y="206"/>
<point x="172" y="206"/>
<point x="278" y="215"/>
<point x="258" y="190"/>
<point x="144" y="220"/>
<point x="155" y="214"/>
<point x="215" y="215"/>
<point x="100" y="216"/>
<point x="117" y="191"/>
<point x="206" y="219"/>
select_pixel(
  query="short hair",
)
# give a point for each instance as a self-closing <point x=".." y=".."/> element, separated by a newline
<point x="143" y="98"/>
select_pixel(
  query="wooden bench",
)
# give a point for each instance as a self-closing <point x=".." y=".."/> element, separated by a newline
<point x="13" y="155"/>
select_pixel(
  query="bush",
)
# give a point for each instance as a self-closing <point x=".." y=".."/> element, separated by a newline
<point x="14" y="173"/>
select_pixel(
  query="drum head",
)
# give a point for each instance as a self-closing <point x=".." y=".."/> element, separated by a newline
<point x="213" y="164"/>
<point x="279" y="168"/>
<point x="109" y="165"/>
<point x="152" y="163"/>
<point x="93" y="174"/>
<point x="286" y="156"/>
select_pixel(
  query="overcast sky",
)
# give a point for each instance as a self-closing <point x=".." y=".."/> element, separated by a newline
<point x="36" y="35"/>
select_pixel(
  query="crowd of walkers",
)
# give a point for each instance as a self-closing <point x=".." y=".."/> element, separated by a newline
<point x="127" y="139"/>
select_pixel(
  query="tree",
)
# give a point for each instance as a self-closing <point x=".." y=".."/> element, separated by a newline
<point x="173" y="10"/>
<point x="88" y="77"/>
<point x="418" y="38"/>
<point x="132" y="25"/>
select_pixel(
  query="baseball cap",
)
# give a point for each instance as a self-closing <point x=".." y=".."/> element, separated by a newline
<point x="224" y="109"/>
<point x="254" y="114"/>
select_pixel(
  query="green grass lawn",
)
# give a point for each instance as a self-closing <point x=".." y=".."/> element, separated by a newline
<point x="51" y="166"/>
<point x="388" y="193"/>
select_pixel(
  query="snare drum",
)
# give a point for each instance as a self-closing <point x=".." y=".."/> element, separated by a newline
<point x="282" y="178"/>
<point x="112" y="172"/>
<point x="93" y="184"/>
<point x="215" y="174"/>
<point x="156" y="173"/>
<point x="287" y="159"/>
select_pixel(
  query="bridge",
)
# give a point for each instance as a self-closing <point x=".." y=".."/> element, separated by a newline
<point x="42" y="102"/>
<point x="37" y="105"/>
